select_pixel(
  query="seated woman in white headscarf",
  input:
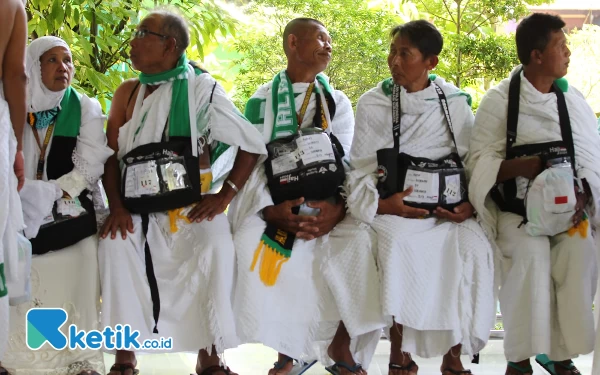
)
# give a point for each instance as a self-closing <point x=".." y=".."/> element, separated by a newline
<point x="435" y="265"/>
<point x="65" y="149"/>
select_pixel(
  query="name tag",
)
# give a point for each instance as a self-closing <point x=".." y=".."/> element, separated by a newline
<point x="69" y="207"/>
<point x="452" y="192"/>
<point x="285" y="163"/>
<point x="174" y="173"/>
<point x="426" y="186"/>
<point x="315" y="148"/>
<point x="142" y="179"/>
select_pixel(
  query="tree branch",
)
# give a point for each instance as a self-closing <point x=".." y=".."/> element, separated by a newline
<point x="436" y="15"/>
<point x="481" y="23"/>
<point x="450" y="12"/>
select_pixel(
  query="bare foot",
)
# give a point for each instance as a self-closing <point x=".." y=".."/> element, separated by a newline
<point x="283" y="366"/>
<point x="451" y="363"/>
<point x="523" y="364"/>
<point x="125" y="363"/>
<point x="401" y="363"/>
<point x="339" y="352"/>
<point x="3" y="371"/>
<point x="212" y="361"/>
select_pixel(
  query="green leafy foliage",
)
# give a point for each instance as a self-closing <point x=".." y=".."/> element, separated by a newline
<point x="472" y="48"/>
<point x="360" y="44"/>
<point x="99" y="32"/>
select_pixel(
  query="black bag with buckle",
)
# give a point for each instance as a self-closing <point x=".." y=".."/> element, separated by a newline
<point x="505" y="194"/>
<point x="445" y="178"/>
<point x="160" y="176"/>
<point x="307" y="164"/>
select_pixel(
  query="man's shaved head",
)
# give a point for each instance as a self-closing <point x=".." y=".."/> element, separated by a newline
<point x="298" y="27"/>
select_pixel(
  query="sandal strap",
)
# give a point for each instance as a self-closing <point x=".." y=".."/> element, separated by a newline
<point x="571" y="367"/>
<point x="408" y="367"/>
<point x="353" y="369"/>
<point x="281" y="364"/>
<point x="522" y="370"/>
<point x="456" y="372"/>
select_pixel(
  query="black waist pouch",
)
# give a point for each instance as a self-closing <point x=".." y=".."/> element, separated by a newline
<point x="66" y="230"/>
<point x="160" y="176"/>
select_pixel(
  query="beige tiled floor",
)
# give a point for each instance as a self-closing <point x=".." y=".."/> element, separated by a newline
<point x="257" y="360"/>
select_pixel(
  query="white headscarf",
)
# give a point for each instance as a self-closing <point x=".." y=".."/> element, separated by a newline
<point x="39" y="98"/>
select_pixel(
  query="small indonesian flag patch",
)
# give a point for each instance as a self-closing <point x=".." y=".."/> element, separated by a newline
<point x="561" y="200"/>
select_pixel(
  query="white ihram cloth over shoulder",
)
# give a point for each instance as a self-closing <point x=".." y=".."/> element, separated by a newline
<point x="285" y="316"/>
<point x="435" y="277"/>
<point x="11" y="217"/>
<point x="67" y="278"/>
<point x="194" y="267"/>
<point x="548" y="282"/>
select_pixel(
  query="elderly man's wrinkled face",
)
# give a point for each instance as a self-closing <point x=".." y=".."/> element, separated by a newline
<point x="148" y="44"/>
<point x="57" y="68"/>
<point x="313" y="47"/>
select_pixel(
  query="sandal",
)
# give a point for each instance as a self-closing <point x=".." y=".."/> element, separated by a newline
<point x="456" y="372"/>
<point x="335" y="369"/>
<point x="4" y="371"/>
<point x="550" y="366"/>
<point x="215" y="369"/>
<point x="298" y="367"/>
<point x="122" y="367"/>
<point x="523" y="370"/>
<point x="393" y="366"/>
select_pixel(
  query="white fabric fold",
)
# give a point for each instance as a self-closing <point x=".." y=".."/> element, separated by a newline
<point x="38" y="199"/>
<point x="220" y="120"/>
<point x="11" y="217"/>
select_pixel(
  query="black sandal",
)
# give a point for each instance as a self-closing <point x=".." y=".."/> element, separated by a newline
<point x="215" y="369"/>
<point x="4" y="371"/>
<point x="122" y="367"/>
<point x="456" y="372"/>
<point x="393" y="366"/>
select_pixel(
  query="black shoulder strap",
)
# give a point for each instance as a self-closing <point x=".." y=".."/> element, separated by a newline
<point x="396" y="115"/>
<point x="565" y="125"/>
<point x="446" y="110"/>
<point x="514" y="95"/>
<point x="133" y="92"/>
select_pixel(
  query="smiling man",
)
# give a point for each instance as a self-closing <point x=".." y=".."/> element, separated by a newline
<point x="168" y="272"/>
<point x="278" y="237"/>
<point x="549" y="281"/>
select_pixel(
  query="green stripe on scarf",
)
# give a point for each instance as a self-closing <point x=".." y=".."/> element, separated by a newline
<point x="285" y="122"/>
<point x="179" y="115"/>
<point x="3" y="288"/>
<point x="255" y="111"/>
<point x="388" y="84"/>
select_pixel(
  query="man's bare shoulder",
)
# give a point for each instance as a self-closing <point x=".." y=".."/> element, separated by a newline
<point x="8" y="13"/>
